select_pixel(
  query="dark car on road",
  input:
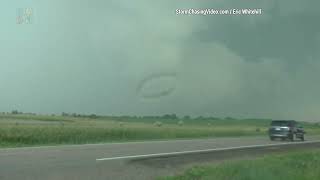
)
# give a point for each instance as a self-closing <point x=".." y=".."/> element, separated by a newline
<point x="286" y="129"/>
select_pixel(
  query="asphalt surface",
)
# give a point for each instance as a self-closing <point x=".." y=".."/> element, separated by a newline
<point x="134" y="160"/>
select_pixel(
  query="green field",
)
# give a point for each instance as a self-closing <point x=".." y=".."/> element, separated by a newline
<point x="293" y="166"/>
<point x="30" y="130"/>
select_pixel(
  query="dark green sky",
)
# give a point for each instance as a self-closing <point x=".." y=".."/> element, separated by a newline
<point x="125" y="57"/>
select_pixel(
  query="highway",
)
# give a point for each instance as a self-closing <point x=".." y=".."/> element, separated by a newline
<point x="132" y="160"/>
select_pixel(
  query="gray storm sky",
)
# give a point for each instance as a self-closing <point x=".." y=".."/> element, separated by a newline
<point x="140" y="58"/>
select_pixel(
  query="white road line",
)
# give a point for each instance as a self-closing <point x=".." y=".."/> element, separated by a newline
<point x="202" y="150"/>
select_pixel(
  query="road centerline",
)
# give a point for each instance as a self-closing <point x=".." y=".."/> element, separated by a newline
<point x="202" y="150"/>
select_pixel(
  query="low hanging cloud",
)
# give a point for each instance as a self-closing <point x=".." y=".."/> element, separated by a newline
<point x="124" y="57"/>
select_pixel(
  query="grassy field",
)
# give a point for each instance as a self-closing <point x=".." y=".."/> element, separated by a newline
<point x="30" y="130"/>
<point x="293" y="166"/>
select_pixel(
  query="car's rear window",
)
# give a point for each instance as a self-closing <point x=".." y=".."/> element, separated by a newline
<point x="280" y="123"/>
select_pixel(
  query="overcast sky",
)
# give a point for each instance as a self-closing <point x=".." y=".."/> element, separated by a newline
<point x="140" y="58"/>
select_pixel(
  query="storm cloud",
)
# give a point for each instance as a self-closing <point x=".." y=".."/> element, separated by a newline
<point x="140" y="58"/>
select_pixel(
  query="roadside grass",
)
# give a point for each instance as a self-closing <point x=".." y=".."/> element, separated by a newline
<point x="31" y="130"/>
<point x="78" y="133"/>
<point x="294" y="166"/>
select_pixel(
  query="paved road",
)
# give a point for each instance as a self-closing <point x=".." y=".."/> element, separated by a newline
<point x="136" y="160"/>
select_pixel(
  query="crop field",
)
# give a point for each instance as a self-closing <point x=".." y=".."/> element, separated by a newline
<point x="33" y="130"/>
<point x="294" y="166"/>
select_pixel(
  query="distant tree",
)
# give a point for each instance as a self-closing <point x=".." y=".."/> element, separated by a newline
<point x="64" y="114"/>
<point x="74" y="115"/>
<point x="93" y="116"/>
<point x="174" y="116"/>
<point x="229" y="118"/>
<point x="166" y="116"/>
<point x="170" y="116"/>
<point x="186" y="117"/>
<point x="14" y="112"/>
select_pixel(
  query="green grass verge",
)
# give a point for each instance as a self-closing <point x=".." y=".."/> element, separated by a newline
<point x="30" y="130"/>
<point x="293" y="166"/>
